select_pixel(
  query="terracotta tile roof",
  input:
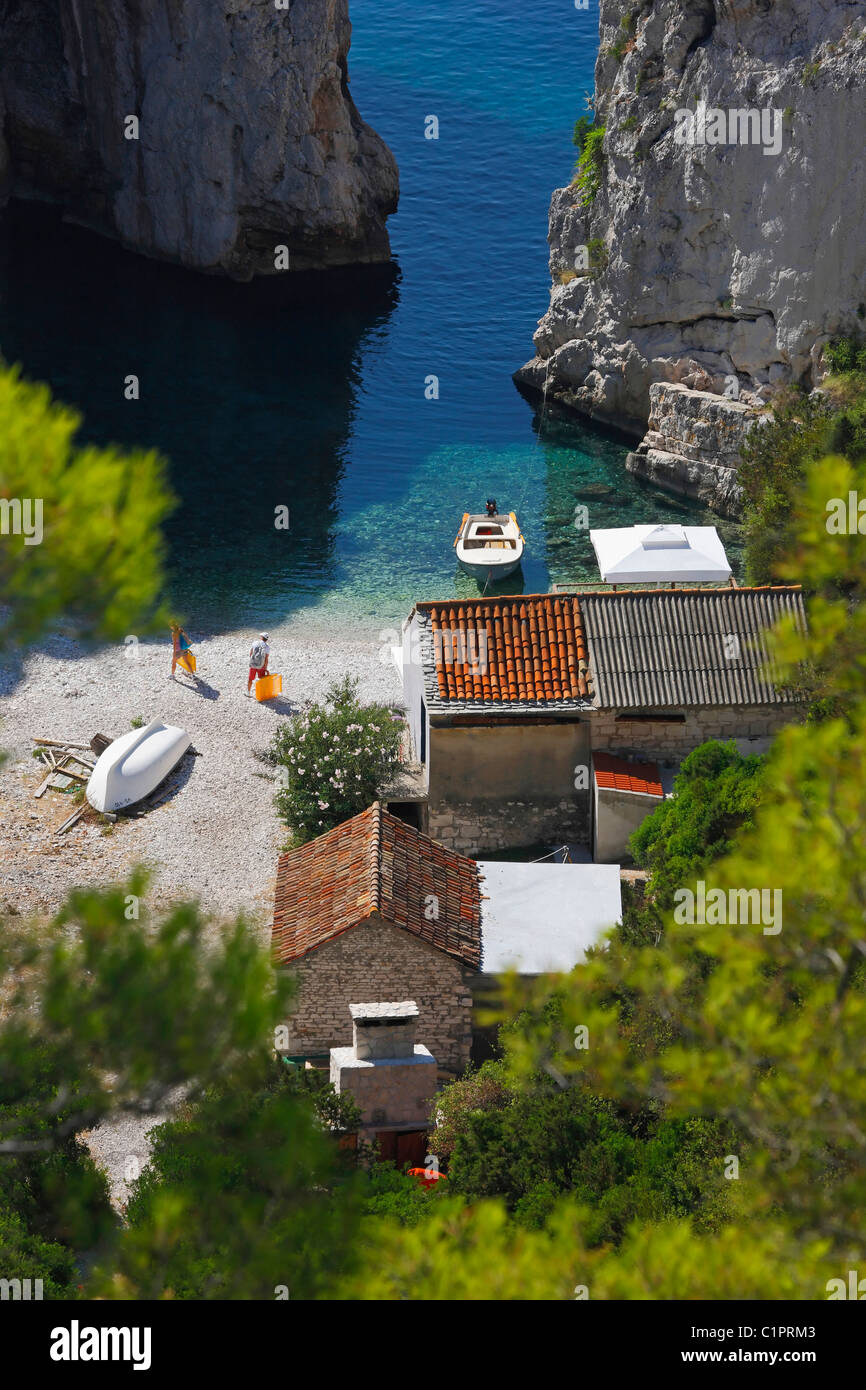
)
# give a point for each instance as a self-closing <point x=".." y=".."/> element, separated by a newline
<point x="517" y="650"/>
<point x="618" y="775"/>
<point x="375" y="862"/>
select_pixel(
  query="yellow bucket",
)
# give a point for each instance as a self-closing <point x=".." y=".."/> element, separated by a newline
<point x="268" y="686"/>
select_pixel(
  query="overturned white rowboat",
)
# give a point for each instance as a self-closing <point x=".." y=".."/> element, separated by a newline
<point x="134" y="765"/>
<point x="489" y="547"/>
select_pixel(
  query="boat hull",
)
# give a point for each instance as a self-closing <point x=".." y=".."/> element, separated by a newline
<point x="486" y="573"/>
<point x="134" y="765"/>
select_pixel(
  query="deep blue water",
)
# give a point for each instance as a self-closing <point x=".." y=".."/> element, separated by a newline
<point x="312" y="395"/>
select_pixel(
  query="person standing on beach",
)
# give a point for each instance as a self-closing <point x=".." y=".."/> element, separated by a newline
<point x="179" y="644"/>
<point x="259" y="656"/>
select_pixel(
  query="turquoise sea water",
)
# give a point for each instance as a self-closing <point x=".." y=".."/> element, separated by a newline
<point x="311" y="395"/>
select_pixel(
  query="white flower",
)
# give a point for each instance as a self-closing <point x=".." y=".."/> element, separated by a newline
<point x="323" y="806"/>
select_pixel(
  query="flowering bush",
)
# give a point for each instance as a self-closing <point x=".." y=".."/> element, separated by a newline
<point x="333" y="759"/>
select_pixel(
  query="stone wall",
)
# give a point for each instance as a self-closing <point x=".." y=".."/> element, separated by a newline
<point x="752" y="726"/>
<point x="523" y="775"/>
<point x="378" y="961"/>
<point x="482" y="827"/>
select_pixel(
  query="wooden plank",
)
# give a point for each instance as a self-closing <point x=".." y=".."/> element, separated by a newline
<point x="70" y="820"/>
<point x="43" y="786"/>
<point x="60" y="743"/>
<point x="82" y="762"/>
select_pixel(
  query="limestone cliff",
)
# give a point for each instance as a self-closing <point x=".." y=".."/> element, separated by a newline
<point x="248" y="138"/>
<point x="716" y="266"/>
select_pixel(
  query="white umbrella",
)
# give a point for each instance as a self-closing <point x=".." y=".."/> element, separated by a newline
<point x="651" y="554"/>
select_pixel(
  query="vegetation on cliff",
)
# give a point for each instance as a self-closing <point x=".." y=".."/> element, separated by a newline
<point x="777" y="455"/>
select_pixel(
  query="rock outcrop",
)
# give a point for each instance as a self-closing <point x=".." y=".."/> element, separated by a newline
<point x="245" y="137"/>
<point x="692" y="445"/>
<point x="715" y="266"/>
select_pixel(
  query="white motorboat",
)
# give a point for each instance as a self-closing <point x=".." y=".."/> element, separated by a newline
<point x="489" y="547"/>
<point x="134" y="765"/>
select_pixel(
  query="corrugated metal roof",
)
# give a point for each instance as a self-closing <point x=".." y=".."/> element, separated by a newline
<point x="685" y="647"/>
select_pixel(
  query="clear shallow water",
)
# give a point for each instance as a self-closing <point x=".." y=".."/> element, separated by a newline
<point x="311" y="394"/>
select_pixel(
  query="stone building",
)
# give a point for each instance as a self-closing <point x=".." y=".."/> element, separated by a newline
<point x="508" y="698"/>
<point x="376" y="910"/>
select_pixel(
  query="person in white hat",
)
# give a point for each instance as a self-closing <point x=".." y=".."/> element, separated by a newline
<point x="259" y="656"/>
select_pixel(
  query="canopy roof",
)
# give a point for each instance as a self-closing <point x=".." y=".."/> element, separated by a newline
<point x="648" y="554"/>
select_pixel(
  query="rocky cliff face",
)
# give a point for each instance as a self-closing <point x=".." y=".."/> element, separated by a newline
<point x="715" y="266"/>
<point x="248" y="138"/>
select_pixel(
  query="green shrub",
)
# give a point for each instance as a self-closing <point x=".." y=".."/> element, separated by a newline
<point x="388" y="1193"/>
<point x="777" y="453"/>
<point x="529" y="1142"/>
<point x="590" y="166"/>
<point x="334" y="758"/>
<point x="846" y="355"/>
<point x="598" y="254"/>
<point x="715" y="794"/>
<point x="582" y="127"/>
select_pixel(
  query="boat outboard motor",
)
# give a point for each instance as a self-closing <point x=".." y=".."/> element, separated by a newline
<point x="491" y="506"/>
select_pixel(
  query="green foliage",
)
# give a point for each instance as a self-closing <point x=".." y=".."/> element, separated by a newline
<point x="334" y="757"/>
<point x="113" y="1014"/>
<point x="590" y="166"/>
<point x="598" y="254"/>
<point x="99" y="562"/>
<point x="775" y="457"/>
<point x="846" y="355"/>
<point x="834" y="565"/>
<point x="27" y="1256"/>
<point x="245" y="1193"/>
<point x="715" y="793"/>
<point x="480" y="1091"/>
<point x="391" y="1195"/>
<point x="534" y="1142"/>
<point x="582" y="126"/>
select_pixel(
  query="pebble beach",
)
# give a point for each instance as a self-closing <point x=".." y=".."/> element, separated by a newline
<point x="216" y="837"/>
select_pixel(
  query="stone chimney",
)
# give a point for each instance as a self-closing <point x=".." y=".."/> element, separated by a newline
<point x="383" y="1030"/>
<point x="390" y="1076"/>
